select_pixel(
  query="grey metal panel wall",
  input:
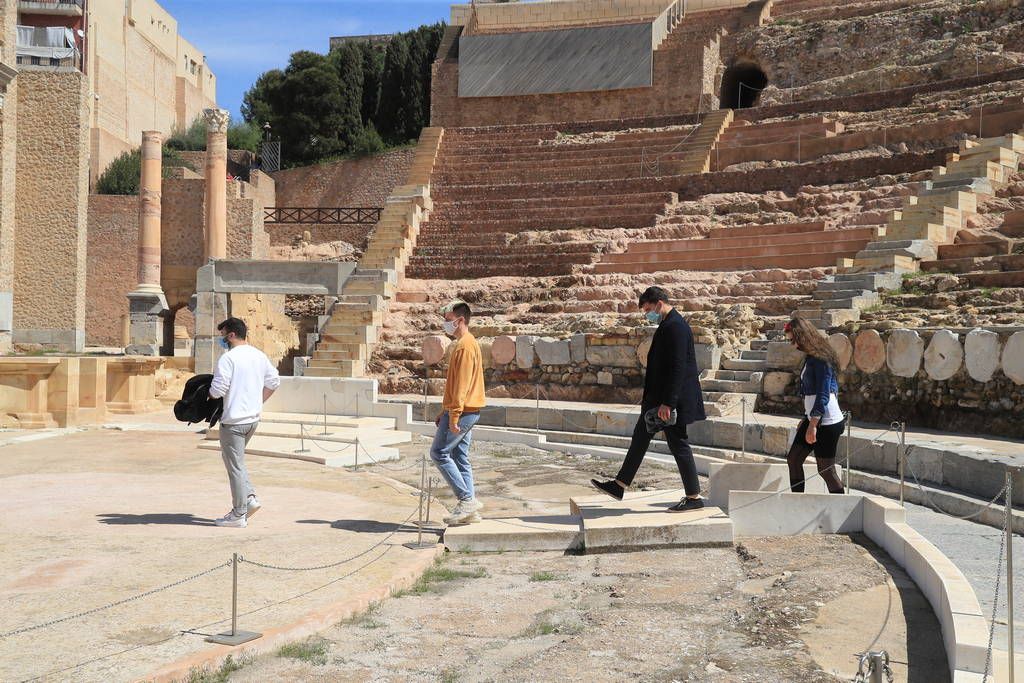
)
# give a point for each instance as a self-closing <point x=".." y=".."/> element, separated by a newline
<point x="561" y="61"/>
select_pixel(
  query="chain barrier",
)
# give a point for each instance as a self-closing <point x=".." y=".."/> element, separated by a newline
<point x="383" y="465"/>
<point x="867" y="666"/>
<point x="267" y="565"/>
<point x="995" y="602"/>
<point x="931" y="501"/>
<point x="116" y="603"/>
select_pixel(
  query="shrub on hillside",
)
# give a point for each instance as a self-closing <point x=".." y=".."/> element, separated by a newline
<point x="367" y="143"/>
<point x="122" y="175"/>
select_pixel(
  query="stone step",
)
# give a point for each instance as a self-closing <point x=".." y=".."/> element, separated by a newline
<point x="869" y="281"/>
<point x="836" y="294"/>
<point x="743" y="364"/>
<point x="640" y="521"/>
<point x="754" y="354"/>
<point x="731" y="386"/>
<point x="1003" y="278"/>
<point x="329" y="372"/>
<point x="350" y="368"/>
<point x="759" y="345"/>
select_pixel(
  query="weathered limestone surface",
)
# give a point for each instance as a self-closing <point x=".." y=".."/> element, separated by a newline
<point x="525" y="352"/>
<point x="643" y="350"/>
<point x="944" y="355"/>
<point x="843" y="348"/>
<point x="981" y="350"/>
<point x="553" y="351"/>
<point x="776" y="383"/>
<point x="434" y="348"/>
<point x="784" y="356"/>
<point x="503" y="350"/>
<point x="903" y="352"/>
<point x="615" y="356"/>
<point x="869" y="351"/>
<point x="1013" y="358"/>
<point x="578" y="348"/>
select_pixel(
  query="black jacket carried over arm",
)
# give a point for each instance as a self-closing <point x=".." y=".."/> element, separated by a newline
<point x="196" y="405"/>
<point x="673" y="378"/>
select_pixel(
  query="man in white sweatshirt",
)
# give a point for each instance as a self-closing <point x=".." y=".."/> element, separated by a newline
<point x="245" y="379"/>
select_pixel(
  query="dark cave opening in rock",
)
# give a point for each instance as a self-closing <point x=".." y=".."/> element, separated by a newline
<point x="742" y="85"/>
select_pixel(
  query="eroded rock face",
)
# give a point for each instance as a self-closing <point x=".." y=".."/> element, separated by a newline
<point x="903" y="352"/>
<point x="525" y="353"/>
<point x="981" y="354"/>
<point x="643" y="350"/>
<point x="869" y="351"/>
<point x="944" y="355"/>
<point x="553" y="351"/>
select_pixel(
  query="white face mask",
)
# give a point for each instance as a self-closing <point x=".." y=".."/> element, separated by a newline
<point x="450" y="326"/>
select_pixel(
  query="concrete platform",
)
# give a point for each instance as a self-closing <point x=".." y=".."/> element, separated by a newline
<point x="742" y="476"/>
<point x="540" y="532"/>
<point x="757" y="513"/>
<point x="320" y="452"/>
<point x="646" y="523"/>
<point x="335" y="434"/>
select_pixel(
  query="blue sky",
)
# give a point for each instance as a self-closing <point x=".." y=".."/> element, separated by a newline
<point x="244" y="38"/>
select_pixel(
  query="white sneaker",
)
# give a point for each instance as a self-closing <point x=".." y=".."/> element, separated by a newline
<point x="252" y="507"/>
<point x="475" y="505"/>
<point x="232" y="520"/>
<point x="471" y="518"/>
<point x="463" y="511"/>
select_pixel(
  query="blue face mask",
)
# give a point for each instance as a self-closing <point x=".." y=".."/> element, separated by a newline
<point x="224" y="344"/>
<point x="653" y="316"/>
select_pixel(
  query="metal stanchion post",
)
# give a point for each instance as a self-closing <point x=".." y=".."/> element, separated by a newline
<point x="798" y="151"/>
<point x="426" y="377"/>
<point x="538" y="408"/>
<point x="302" y="439"/>
<point x="903" y="460"/>
<point x="355" y="468"/>
<point x="325" y="433"/>
<point x="981" y="118"/>
<point x="235" y="637"/>
<point x="430" y="496"/>
<point x="743" y="432"/>
<point x="418" y="543"/>
<point x="1009" y="574"/>
<point x="849" y="435"/>
<point x="879" y="662"/>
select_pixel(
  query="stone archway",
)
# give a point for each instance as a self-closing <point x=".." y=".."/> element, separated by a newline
<point x="742" y="85"/>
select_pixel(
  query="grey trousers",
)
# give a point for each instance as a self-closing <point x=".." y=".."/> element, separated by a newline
<point x="233" y="440"/>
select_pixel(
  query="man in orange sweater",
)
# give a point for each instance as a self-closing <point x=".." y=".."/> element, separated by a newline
<point x="463" y="401"/>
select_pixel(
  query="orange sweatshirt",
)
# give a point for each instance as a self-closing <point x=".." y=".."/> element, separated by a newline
<point x="464" y="389"/>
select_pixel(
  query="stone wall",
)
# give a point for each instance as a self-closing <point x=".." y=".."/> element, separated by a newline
<point x="270" y="329"/>
<point x="599" y="368"/>
<point x="8" y="162"/>
<point x="363" y="182"/>
<point x="112" y="266"/>
<point x="51" y="209"/>
<point x="678" y="86"/>
<point x="955" y="380"/>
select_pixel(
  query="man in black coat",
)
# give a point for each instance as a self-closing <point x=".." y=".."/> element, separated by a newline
<point x="672" y="383"/>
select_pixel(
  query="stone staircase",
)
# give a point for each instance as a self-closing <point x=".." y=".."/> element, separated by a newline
<point x="928" y="221"/>
<point x="702" y="145"/>
<point x="346" y="336"/>
<point x="737" y="379"/>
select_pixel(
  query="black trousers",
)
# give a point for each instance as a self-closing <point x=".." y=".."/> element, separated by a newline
<point x="677" y="443"/>
<point x="824" y="450"/>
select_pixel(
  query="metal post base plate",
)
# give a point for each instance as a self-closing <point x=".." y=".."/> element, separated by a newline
<point x="238" y="638"/>
<point x="413" y="545"/>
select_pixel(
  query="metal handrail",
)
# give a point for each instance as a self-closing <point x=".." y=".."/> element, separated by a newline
<point x="294" y="215"/>
<point x="655" y="165"/>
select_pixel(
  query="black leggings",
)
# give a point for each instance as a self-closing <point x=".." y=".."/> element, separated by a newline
<point x="824" y="450"/>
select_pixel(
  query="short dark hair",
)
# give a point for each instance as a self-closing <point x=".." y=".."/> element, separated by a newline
<point x="653" y="295"/>
<point x="461" y="310"/>
<point x="236" y="325"/>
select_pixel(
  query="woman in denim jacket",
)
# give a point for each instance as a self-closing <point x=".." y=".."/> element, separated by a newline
<point x="823" y="422"/>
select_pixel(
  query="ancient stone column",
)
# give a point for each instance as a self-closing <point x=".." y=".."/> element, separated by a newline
<point x="216" y="183"/>
<point x="147" y="304"/>
<point x="149" y="212"/>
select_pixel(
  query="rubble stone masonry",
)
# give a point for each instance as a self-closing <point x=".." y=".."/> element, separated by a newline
<point x="112" y="263"/>
<point x="51" y="209"/>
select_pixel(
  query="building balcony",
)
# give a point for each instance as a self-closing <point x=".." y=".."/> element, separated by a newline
<point x="66" y="8"/>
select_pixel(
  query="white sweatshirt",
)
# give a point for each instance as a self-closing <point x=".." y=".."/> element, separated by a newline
<point x="242" y="375"/>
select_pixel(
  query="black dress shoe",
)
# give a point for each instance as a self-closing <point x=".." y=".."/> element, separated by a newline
<point x="687" y="504"/>
<point x="609" y="487"/>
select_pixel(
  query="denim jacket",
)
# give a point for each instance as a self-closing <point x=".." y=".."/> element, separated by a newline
<point x="819" y="381"/>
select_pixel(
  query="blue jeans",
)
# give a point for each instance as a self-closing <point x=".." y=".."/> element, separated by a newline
<point x="450" y="452"/>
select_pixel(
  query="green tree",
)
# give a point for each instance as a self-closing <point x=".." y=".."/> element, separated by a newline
<point x="348" y="62"/>
<point x="244" y="135"/>
<point x="258" y="103"/>
<point x="123" y="174"/>
<point x="396" y="63"/>
<point x="411" y="105"/>
<point x="373" y="69"/>
<point x="192" y="139"/>
<point x="309" y="110"/>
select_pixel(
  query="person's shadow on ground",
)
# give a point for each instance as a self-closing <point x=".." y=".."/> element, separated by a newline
<point x="362" y="526"/>
<point x="179" y="518"/>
